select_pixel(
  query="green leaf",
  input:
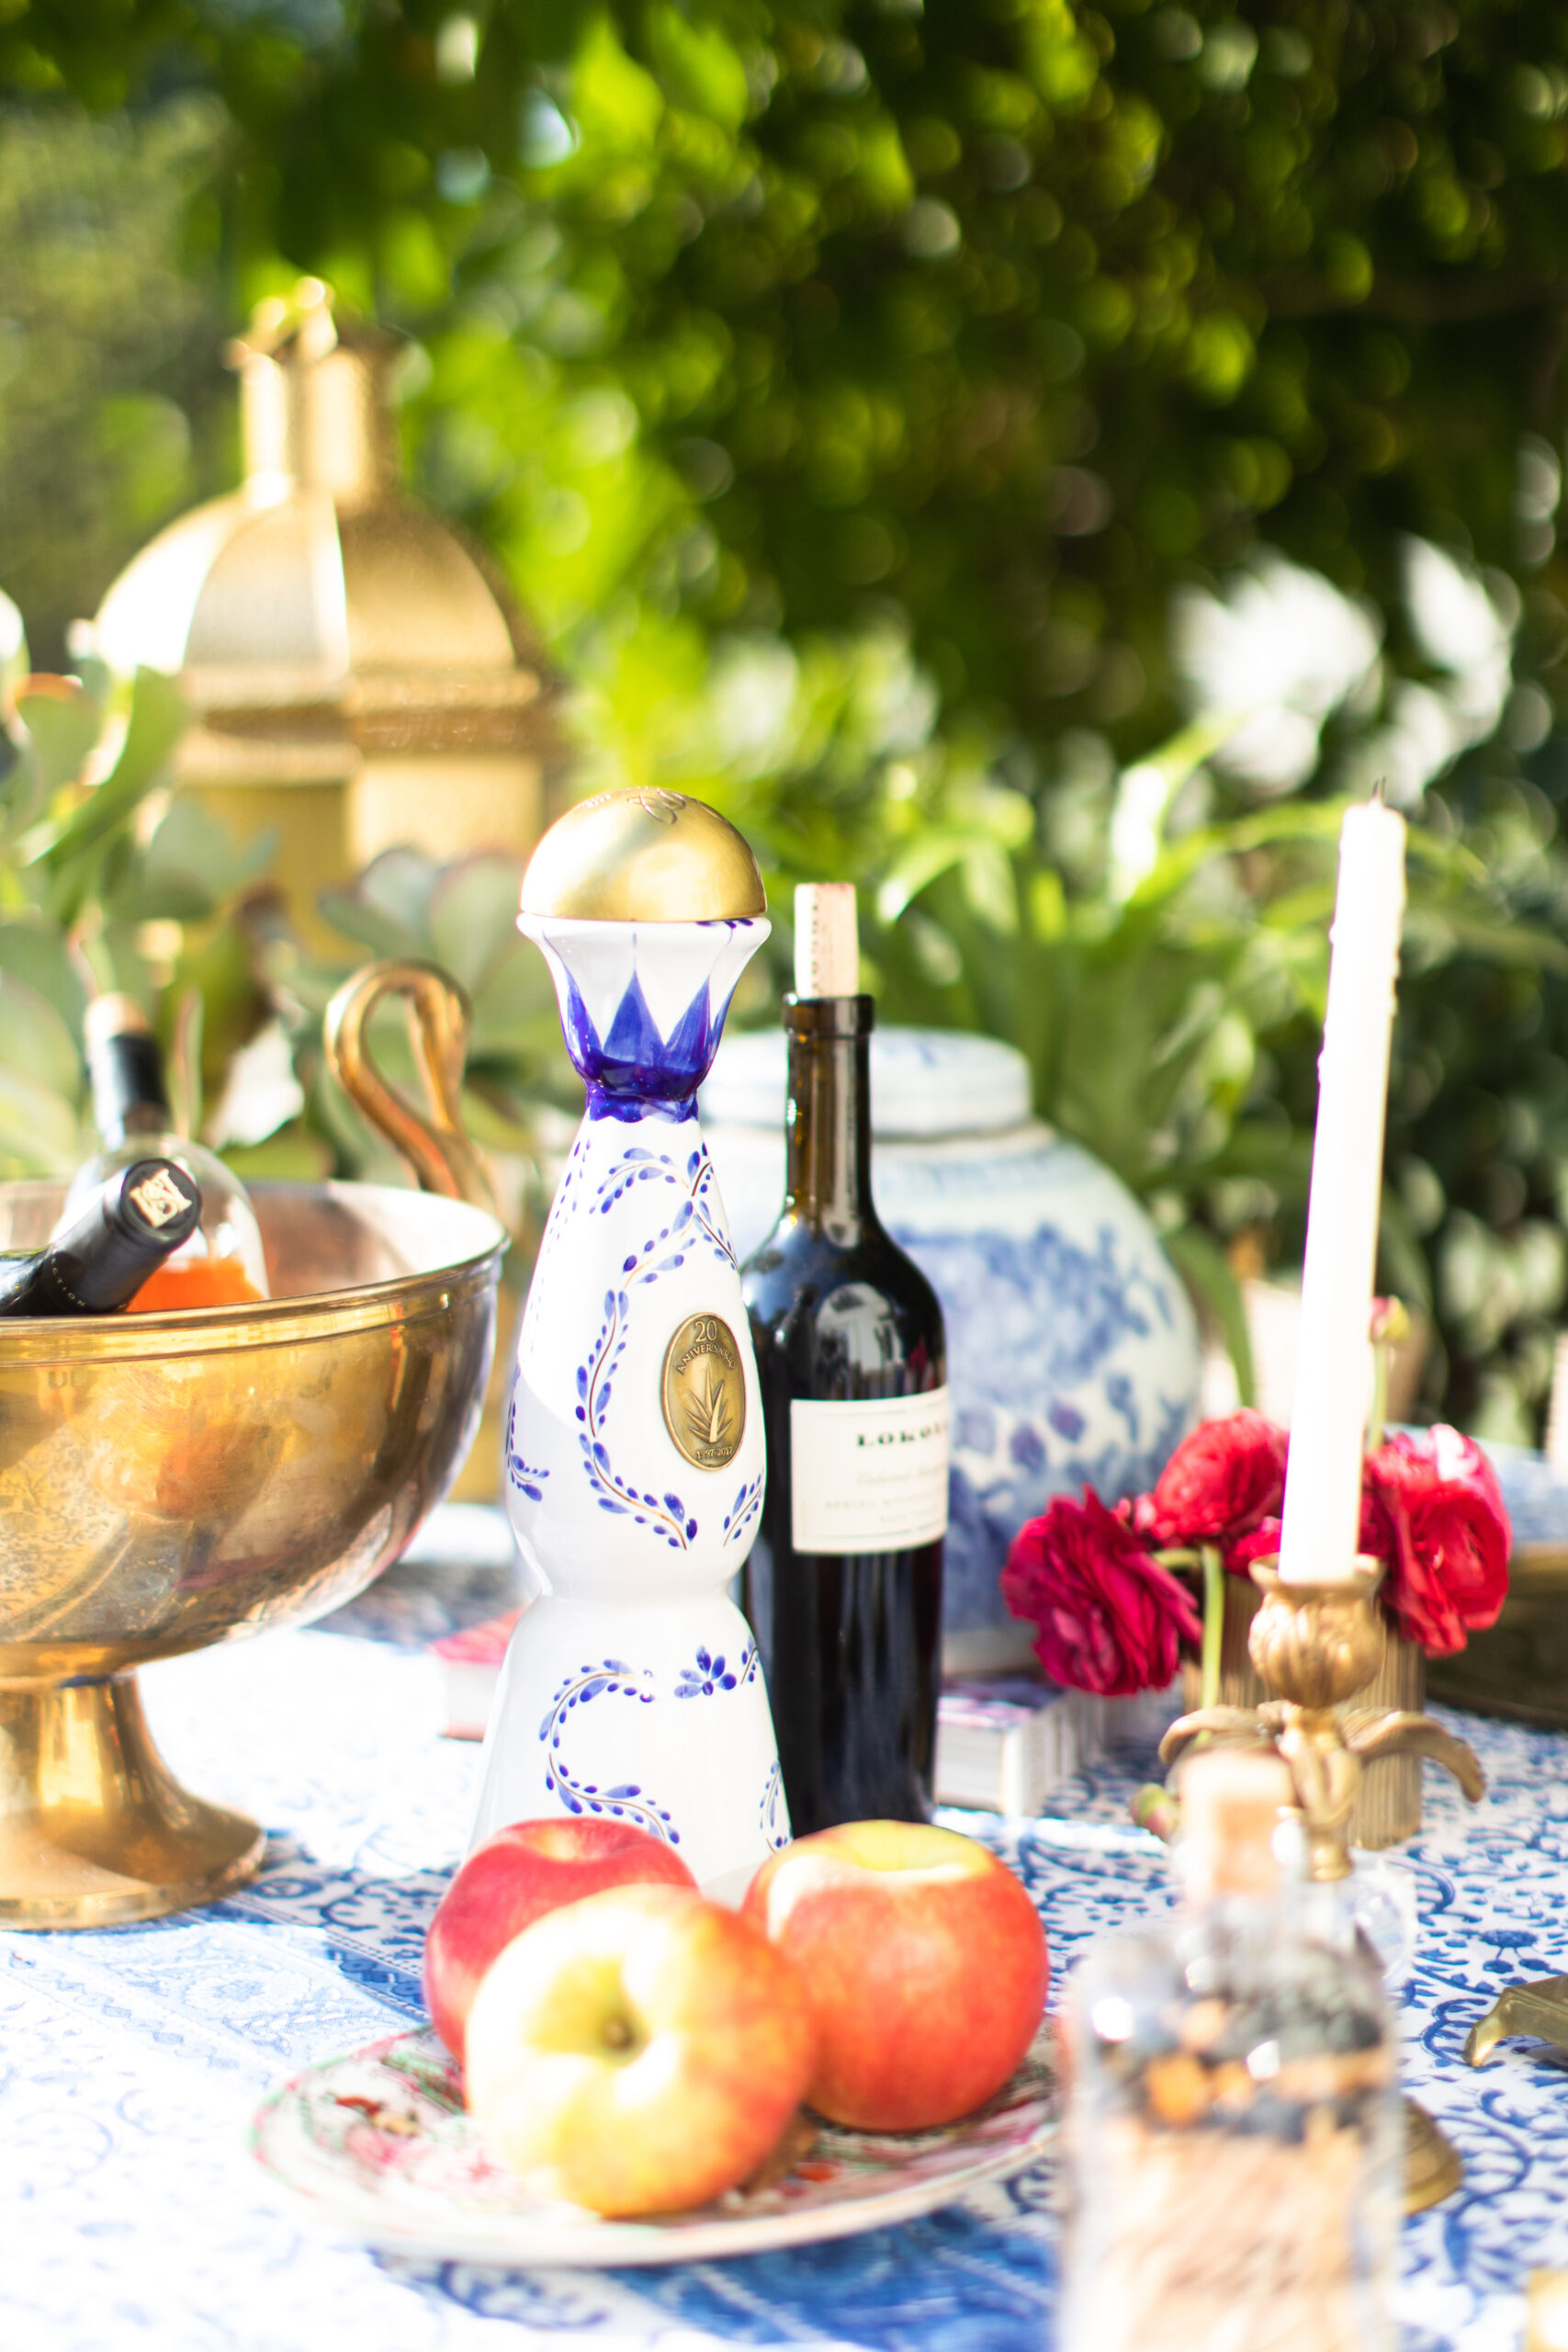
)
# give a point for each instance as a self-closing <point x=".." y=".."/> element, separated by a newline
<point x="388" y="907"/>
<point x="37" y="1136"/>
<point x="14" y="661"/>
<point x="698" y="67"/>
<point x="39" y="1131"/>
<point x="990" y="890"/>
<point x="36" y="1042"/>
<point x="38" y="954"/>
<point x="63" y="723"/>
<point x="613" y="97"/>
<point x="916" y="866"/>
<point x="193" y="858"/>
<point x="1494" y="938"/>
<point x="1197" y="1256"/>
<point x="292" y="1156"/>
<point x="472" y="918"/>
<point x="157" y="719"/>
<point x="1143" y="796"/>
<point x="882" y="166"/>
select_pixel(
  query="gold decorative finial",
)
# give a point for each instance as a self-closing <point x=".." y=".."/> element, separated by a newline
<point x="643" y="856"/>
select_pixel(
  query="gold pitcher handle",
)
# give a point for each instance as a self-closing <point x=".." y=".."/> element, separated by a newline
<point x="436" y="1147"/>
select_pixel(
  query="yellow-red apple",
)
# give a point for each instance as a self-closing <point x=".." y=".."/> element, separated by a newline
<point x="924" y="1962"/>
<point x="639" y="2051"/>
<point x="513" y="1878"/>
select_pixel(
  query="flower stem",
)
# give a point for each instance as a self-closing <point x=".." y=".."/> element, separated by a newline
<point x="1214" y="1623"/>
<point x="1390" y="1323"/>
<point x="1381" y="1352"/>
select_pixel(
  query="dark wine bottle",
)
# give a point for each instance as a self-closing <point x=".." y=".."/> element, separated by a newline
<point x="102" y="1257"/>
<point x="843" y="1587"/>
<point x="224" y="1264"/>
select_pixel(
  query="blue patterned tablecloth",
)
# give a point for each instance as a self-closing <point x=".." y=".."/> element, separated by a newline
<point x="131" y="2060"/>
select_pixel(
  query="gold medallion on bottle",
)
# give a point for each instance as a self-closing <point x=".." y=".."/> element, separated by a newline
<point x="704" y="1392"/>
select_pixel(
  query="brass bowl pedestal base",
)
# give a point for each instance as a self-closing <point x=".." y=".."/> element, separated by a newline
<point x="94" y="1830"/>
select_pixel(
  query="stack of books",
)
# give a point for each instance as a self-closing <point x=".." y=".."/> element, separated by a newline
<point x="1006" y="1742"/>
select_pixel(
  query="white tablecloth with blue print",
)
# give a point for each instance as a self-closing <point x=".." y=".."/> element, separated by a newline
<point x="131" y="2060"/>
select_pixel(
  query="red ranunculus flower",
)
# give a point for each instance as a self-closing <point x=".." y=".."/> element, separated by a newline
<point x="1261" y="1543"/>
<point x="1108" y="1617"/>
<point x="1432" y="1510"/>
<point x="1221" y="1482"/>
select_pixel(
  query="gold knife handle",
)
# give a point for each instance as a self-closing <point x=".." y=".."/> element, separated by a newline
<point x="437" y="1147"/>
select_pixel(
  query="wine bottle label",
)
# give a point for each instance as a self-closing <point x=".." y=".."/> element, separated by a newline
<point x="160" y="1195"/>
<point x="869" y="1476"/>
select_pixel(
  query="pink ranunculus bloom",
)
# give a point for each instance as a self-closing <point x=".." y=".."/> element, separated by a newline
<point x="1221" y="1482"/>
<point x="1108" y="1617"/>
<point x="1432" y="1510"/>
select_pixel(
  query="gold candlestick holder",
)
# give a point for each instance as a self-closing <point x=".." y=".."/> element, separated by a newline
<point x="1316" y="1645"/>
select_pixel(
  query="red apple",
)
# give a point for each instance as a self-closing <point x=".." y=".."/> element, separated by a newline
<point x="924" y="1962"/>
<point x="513" y="1878"/>
<point x="639" y="2051"/>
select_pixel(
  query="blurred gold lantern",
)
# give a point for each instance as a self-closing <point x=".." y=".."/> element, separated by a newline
<point x="359" y="677"/>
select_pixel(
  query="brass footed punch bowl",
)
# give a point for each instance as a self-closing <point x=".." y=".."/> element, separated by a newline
<point x="172" y="1481"/>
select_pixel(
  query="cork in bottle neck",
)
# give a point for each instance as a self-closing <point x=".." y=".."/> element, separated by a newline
<point x="1232" y="1801"/>
<point x="827" y="947"/>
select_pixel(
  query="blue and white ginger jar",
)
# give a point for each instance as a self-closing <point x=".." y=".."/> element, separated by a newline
<point x="1072" y="1350"/>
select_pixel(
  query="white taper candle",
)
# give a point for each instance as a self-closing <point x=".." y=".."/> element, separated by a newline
<point x="1323" y="1488"/>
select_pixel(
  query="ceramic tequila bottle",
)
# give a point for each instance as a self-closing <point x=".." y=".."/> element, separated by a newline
<point x="632" y="1688"/>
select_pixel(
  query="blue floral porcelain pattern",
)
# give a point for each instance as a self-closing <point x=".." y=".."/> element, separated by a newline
<point x="690" y="1225"/>
<point x="134" y="2057"/>
<point x="775" y="1830"/>
<point x="611" y="1678"/>
<point x="531" y="1482"/>
<point x="1033" y="1324"/>
<point x="711" y="1674"/>
<point x="744" y="1508"/>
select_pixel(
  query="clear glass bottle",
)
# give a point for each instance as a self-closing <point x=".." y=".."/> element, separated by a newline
<point x="223" y="1263"/>
<point x="1235" y="2136"/>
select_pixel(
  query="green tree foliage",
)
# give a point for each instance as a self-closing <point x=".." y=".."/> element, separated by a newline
<point x="855" y="391"/>
<point x="111" y="315"/>
<point x="1003" y="316"/>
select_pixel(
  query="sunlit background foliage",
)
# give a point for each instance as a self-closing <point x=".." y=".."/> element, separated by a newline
<point x="1027" y="459"/>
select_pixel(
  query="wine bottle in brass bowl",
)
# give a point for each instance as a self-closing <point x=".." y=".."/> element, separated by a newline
<point x="171" y="1480"/>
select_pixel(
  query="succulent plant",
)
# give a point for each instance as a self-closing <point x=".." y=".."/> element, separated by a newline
<point x="103" y="874"/>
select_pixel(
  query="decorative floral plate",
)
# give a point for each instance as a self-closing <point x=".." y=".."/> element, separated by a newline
<point x="380" y="2144"/>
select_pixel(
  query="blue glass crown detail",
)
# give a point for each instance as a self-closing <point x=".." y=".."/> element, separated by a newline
<point x="634" y="1071"/>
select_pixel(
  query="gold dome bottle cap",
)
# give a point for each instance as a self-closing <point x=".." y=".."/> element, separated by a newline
<point x="643" y="856"/>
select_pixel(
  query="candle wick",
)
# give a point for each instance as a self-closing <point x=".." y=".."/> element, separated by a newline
<point x="1377" y="801"/>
